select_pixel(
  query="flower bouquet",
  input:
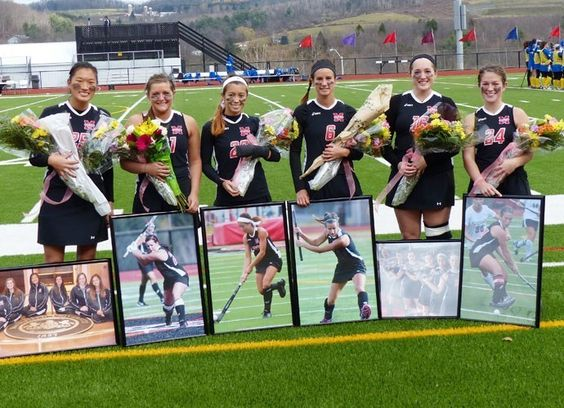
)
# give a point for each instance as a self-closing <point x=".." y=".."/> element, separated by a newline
<point x="46" y="135"/>
<point x="276" y="128"/>
<point x="98" y="149"/>
<point x="372" y="139"/>
<point x="147" y="143"/>
<point x="375" y="105"/>
<point x="546" y="134"/>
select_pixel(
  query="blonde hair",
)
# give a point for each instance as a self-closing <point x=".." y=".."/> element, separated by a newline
<point x="157" y="79"/>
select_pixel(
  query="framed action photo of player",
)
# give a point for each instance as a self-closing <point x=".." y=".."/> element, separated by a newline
<point x="245" y="254"/>
<point x="56" y="307"/>
<point x="159" y="281"/>
<point x="418" y="279"/>
<point x="333" y="259"/>
<point x="502" y="259"/>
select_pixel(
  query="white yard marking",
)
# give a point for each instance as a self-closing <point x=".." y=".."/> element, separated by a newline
<point x="27" y="105"/>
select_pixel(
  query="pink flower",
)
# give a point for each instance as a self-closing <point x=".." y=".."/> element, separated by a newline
<point x="143" y="142"/>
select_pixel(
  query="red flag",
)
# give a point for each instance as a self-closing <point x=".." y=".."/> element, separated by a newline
<point x="306" y="42"/>
<point x="469" y="36"/>
<point x="555" y="32"/>
<point x="428" y="38"/>
<point x="390" y="38"/>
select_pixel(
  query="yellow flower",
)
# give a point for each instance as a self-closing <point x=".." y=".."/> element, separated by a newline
<point x="114" y="124"/>
<point x="38" y="133"/>
<point x="15" y="119"/>
<point x="435" y="115"/>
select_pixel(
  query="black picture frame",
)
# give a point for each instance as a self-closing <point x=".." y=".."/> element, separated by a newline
<point x="234" y="307"/>
<point x="512" y="235"/>
<point x="313" y="271"/>
<point x="419" y="278"/>
<point x="143" y="318"/>
<point x="48" y="320"/>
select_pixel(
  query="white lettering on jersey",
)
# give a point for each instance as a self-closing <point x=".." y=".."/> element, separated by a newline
<point x="315" y="113"/>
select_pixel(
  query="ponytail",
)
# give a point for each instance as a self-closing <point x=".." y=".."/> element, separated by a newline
<point x="305" y="98"/>
<point x="218" y="123"/>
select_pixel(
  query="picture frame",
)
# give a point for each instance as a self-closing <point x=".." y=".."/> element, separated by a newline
<point x="233" y="238"/>
<point x="418" y="279"/>
<point x="321" y="275"/>
<point x="158" y="277"/>
<point x="43" y="308"/>
<point x="502" y="259"/>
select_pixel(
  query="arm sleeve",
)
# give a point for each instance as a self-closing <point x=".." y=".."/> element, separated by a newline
<point x="108" y="177"/>
<point x="433" y="159"/>
<point x="296" y="152"/>
<point x="206" y="151"/>
<point x="356" y="154"/>
<point x="391" y="116"/>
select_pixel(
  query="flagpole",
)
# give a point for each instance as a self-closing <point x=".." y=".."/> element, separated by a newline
<point x="434" y="44"/>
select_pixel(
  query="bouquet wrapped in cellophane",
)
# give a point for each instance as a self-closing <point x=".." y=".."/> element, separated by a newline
<point x="148" y="143"/>
<point x="437" y="131"/>
<point x="276" y="128"/>
<point x="545" y="134"/>
<point x="375" y="105"/>
<point x="98" y="150"/>
<point x="26" y="133"/>
<point x="372" y="139"/>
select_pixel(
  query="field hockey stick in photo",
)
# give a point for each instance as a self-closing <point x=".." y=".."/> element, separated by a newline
<point x="297" y="234"/>
<point x="218" y="318"/>
<point x="525" y="280"/>
<point x="151" y="222"/>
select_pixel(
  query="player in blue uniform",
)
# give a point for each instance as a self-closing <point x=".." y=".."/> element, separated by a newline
<point x="59" y="297"/>
<point x="175" y="277"/>
<point x="267" y="261"/>
<point x="37" y="297"/>
<point x="184" y="139"/>
<point x="320" y="120"/>
<point x="58" y="223"/>
<point x="99" y="301"/>
<point x="350" y="264"/>
<point x="433" y="196"/>
<point x="78" y="296"/>
<point x="482" y="257"/>
<point x="495" y="123"/>
<point x="226" y="139"/>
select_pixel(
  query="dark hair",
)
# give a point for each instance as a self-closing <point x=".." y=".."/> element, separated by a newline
<point x="505" y="209"/>
<point x="424" y="56"/>
<point x="329" y="217"/>
<point x="61" y="289"/>
<point x="85" y="278"/>
<point x="157" y="79"/>
<point x="218" y="124"/>
<point x="92" y="291"/>
<point x="496" y="69"/>
<point x="317" y="65"/>
<point x="83" y="65"/>
<point x="248" y="216"/>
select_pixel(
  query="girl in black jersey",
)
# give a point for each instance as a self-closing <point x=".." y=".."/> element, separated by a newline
<point x="58" y="223"/>
<point x="59" y="297"/>
<point x="175" y="277"/>
<point x="267" y="261"/>
<point x="5" y="311"/>
<point x="496" y="122"/>
<point x="226" y="137"/>
<point x="482" y="257"/>
<point x="433" y="195"/>
<point x="78" y="296"/>
<point x="16" y="297"/>
<point x="320" y="120"/>
<point x="350" y="265"/>
<point x="184" y="138"/>
<point x="36" y="298"/>
<point x="99" y="300"/>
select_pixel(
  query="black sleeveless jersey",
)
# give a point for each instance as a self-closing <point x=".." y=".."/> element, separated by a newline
<point x="347" y="257"/>
<point x="497" y="130"/>
<point x="272" y="253"/>
<point x="170" y="269"/>
<point x="487" y="244"/>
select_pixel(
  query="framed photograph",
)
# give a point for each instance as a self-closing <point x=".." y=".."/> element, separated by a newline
<point x="56" y="307"/>
<point x="160" y="293"/>
<point x="502" y="259"/>
<point x="245" y="253"/>
<point x="418" y="278"/>
<point x="333" y="261"/>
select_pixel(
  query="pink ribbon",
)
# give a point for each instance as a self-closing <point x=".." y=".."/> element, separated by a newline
<point x="349" y="177"/>
<point x="488" y="172"/>
<point x="410" y="155"/>
<point x="47" y="184"/>
<point x="142" y="187"/>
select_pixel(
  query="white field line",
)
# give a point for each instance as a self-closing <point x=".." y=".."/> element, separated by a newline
<point x="29" y="104"/>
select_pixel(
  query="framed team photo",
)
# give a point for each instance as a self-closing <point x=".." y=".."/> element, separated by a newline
<point x="56" y="307"/>
<point x="502" y="259"/>
<point x="158" y="277"/>
<point x="333" y="261"/>
<point x="418" y="279"/>
<point x="245" y="254"/>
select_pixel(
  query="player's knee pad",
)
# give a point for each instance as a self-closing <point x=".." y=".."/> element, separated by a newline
<point x="438" y="231"/>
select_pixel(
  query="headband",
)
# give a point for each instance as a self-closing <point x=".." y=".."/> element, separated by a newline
<point x="246" y="220"/>
<point x="425" y="56"/>
<point x="233" y="79"/>
<point x="320" y="64"/>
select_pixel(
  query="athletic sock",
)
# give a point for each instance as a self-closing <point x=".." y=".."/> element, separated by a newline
<point x="157" y="290"/>
<point x="528" y="248"/>
<point x="328" y="310"/>
<point x="142" y="291"/>
<point x="181" y="310"/>
<point x="438" y="231"/>
<point x="267" y="298"/>
<point x="362" y="299"/>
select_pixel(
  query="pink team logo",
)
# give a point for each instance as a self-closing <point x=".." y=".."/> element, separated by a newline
<point x="245" y="131"/>
<point x="504" y="120"/>
<point x="338" y="117"/>
<point x="176" y="130"/>
<point x="89" y="125"/>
